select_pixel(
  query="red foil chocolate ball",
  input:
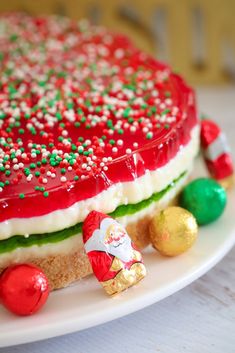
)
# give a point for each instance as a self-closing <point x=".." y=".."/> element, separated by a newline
<point x="23" y="289"/>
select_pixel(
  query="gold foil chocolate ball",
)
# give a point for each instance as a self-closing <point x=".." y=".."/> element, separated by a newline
<point x="173" y="231"/>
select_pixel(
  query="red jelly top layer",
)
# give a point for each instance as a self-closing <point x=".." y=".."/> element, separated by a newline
<point x="81" y="109"/>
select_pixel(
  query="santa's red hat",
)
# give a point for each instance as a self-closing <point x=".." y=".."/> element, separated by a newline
<point x="91" y="223"/>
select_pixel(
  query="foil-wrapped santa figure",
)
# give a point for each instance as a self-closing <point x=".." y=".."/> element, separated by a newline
<point x="115" y="261"/>
<point x="216" y="153"/>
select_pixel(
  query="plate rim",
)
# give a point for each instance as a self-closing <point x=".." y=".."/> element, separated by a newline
<point x="72" y="325"/>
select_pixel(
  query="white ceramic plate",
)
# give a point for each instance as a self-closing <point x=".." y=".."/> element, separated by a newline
<point x="85" y="304"/>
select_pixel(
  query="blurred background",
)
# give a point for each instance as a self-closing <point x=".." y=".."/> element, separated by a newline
<point x="197" y="37"/>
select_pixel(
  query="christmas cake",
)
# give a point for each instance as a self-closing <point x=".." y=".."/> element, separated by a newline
<point x="87" y="122"/>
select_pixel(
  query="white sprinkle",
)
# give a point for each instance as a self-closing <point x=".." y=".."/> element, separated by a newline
<point x="63" y="179"/>
<point x="29" y="177"/>
<point x="120" y="142"/>
<point x="145" y="129"/>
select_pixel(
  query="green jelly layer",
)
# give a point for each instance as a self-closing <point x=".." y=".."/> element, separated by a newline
<point x="18" y="241"/>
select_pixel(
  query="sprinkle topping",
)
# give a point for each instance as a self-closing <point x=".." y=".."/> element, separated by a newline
<point x="73" y="100"/>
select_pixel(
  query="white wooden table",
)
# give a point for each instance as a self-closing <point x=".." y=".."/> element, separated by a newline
<point x="198" y="319"/>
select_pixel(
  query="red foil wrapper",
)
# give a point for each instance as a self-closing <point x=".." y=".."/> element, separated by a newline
<point x="216" y="151"/>
<point x="24" y="289"/>
<point x="115" y="261"/>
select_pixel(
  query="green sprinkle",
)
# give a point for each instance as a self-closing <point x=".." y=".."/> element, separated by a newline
<point x="37" y="188"/>
<point x="26" y="171"/>
<point x="21" y="196"/>
<point x="166" y="126"/>
<point x="32" y="166"/>
<point x="165" y="111"/>
<point x="44" y="161"/>
<point x="58" y="116"/>
<point x="42" y="83"/>
<point x="167" y="94"/>
<point x="37" y="174"/>
<point x="77" y="124"/>
<point x="21" y="131"/>
<point x="87" y="103"/>
<point x="70" y="105"/>
<point x="126" y="112"/>
<point x="7" y="172"/>
<point x="149" y="135"/>
<point x="130" y="87"/>
<point x="46" y="194"/>
<point x="13" y="37"/>
<point x="98" y="109"/>
<point x="2" y="115"/>
<point x="112" y="142"/>
<point x="63" y="170"/>
<point x="109" y="123"/>
<point x="76" y="178"/>
<point x="120" y="131"/>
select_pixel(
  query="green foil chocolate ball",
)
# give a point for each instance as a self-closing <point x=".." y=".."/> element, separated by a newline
<point x="205" y="199"/>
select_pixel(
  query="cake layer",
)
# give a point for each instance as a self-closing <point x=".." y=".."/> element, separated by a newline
<point x="108" y="201"/>
<point x="81" y="110"/>
<point x="65" y="246"/>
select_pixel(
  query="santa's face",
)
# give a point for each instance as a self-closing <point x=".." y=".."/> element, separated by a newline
<point x="111" y="238"/>
<point x="115" y="236"/>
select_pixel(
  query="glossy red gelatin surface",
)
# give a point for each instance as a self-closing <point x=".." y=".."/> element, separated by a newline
<point x="80" y="110"/>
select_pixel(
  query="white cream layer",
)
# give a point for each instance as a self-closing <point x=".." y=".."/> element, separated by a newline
<point x="108" y="200"/>
<point x="73" y="243"/>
